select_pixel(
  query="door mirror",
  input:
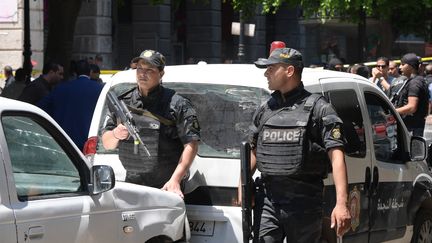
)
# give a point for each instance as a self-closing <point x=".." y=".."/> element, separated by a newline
<point x="102" y="180"/>
<point x="418" y="148"/>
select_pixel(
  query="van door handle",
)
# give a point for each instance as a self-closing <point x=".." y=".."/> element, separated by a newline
<point x="35" y="232"/>
<point x="367" y="181"/>
<point x="375" y="179"/>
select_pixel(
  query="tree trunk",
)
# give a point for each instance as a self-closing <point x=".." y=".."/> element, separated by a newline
<point x="385" y="45"/>
<point x="361" y="33"/>
<point x="62" y="15"/>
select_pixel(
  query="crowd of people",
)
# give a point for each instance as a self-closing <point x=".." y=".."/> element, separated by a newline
<point x="57" y="94"/>
<point x="407" y="85"/>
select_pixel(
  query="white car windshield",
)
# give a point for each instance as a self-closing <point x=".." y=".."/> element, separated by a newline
<point x="224" y="112"/>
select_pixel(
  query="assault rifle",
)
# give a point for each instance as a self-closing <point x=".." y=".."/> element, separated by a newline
<point x="246" y="187"/>
<point x="122" y="112"/>
<point x="395" y="97"/>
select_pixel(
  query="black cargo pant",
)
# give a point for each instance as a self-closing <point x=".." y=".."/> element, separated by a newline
<point x="278" y="222"/>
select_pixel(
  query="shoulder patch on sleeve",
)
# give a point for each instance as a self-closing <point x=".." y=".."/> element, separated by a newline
<point x="335" y="133"/>
<point x="195" y="123"/>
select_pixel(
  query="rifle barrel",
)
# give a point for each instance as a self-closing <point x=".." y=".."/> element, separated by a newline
<point x="126" y="118"/>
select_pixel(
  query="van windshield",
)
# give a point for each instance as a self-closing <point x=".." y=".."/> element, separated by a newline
<point x="224" y="113"/>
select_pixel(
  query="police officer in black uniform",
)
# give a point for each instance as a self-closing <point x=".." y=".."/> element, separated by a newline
<point x="412" y="96"/>
<point x="168" y="126"/>
<point x="293" y="136"/>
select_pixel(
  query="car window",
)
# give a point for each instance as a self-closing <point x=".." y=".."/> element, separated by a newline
<point x="386" y="132"/>
<point x="224" y="113"/>
<point x="40" y="165"/>
<point x="348" y="108"/>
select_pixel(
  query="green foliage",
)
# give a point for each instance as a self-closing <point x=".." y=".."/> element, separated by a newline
<point x="412" y="16"/>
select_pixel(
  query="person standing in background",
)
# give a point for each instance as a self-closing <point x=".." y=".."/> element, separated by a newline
<point x="52" y="74"/>
<point x="72" y="104"/>
<point x="428" y="80"/>
<point x="335" y="64"/>
<point x="380" y="75"/>
<point x="393" y="71"/>
<point x="8" y="72"/>
<point x="360" y="69"/>
<point x="14" y="90"/>
<point x="95" y="73"/>
<point x="98" y="60"/>
<point x="412" y="98"/>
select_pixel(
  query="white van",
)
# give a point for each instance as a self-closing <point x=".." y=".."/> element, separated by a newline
<point x="49" y="193"/>
<point x="389" y="185"/>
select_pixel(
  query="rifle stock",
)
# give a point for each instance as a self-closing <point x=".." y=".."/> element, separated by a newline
<point x="246" y="187"/>
<point x="126" y="118"/>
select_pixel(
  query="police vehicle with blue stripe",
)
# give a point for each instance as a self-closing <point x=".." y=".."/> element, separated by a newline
<point x="390" y="184"/>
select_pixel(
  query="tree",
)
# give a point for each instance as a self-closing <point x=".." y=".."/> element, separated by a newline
<point x="62" y="16"/>
<point x="395" y="16"/>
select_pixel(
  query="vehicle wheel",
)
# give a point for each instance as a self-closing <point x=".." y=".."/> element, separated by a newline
<point x="423" y="227"/>
<point x="160" y="239"/>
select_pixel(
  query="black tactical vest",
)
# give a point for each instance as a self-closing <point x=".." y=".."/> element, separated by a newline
<point x="284" y="147"/>
<point x="395" y="91"/>
<point x="160" y="136"/>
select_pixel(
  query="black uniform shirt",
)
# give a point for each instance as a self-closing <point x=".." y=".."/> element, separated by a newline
<point x="325" y="128"/>
<point x="325" y="121"/>
<point x="416" y="87"/>
<point x="179" y="110"/>
<point x="178" y="126"/>
<point x="35" y="91"/>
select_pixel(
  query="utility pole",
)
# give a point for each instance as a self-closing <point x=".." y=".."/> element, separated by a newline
<point x="27" y="46"/>
<point x="241" y="54"/>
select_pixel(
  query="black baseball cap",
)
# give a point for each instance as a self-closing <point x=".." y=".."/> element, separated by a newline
<point x="411" y="59"/>
<point x="153" y="58"/>
<point x="281" y="55"/>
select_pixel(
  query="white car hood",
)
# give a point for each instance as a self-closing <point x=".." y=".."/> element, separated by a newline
<point x="132" y="196"/>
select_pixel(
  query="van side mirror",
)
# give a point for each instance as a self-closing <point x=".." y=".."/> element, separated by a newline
<point x="102" y="179"/>
<point x="418" y="150"/>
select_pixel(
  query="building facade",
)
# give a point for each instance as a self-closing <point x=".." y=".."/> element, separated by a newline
<point x="185" y="32"/>
<point x="12" y="34"/>
<point x="192" y="31"/>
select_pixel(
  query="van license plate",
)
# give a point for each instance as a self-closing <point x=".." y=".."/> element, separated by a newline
<point x="201" y="227"/>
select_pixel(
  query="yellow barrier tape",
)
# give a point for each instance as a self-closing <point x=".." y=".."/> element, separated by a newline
<point x="34" y="72"/>
<point x="423" y="59"/>
<point x="110" y="71"/>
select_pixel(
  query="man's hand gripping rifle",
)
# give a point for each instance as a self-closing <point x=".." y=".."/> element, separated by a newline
<point x="122" y="112"/>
